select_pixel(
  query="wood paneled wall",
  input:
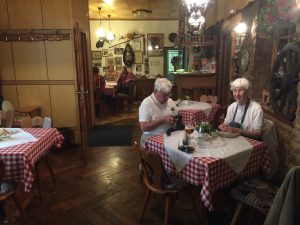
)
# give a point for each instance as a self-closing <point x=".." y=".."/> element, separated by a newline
<point x="42" y="72"/>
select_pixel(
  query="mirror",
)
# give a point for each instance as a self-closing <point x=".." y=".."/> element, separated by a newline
<point x="244" y="59"/>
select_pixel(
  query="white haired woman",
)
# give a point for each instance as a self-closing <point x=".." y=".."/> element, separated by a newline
<point x="244" y="116"/>
<point x="155" y="110"/>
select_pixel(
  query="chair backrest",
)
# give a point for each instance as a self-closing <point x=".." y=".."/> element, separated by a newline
<point x="37" y="122"/>
<point x="6" y="105"/>
<point x="219" y="116"/>
<point x="153" y="169"/>
<point x="269" y="138"/>
<point x="131" y="86"/>
<point x="212" y="99"/>
<point x="203" y="98"/>
<point x="10" y="116"/>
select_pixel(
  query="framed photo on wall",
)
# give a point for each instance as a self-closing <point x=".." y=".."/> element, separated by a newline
<point x="138" y="68"/>
<point x="137" y="46"/>
<point x="105" y="52"/>
<point x="156" y="41"/>
<point x="97" y="62"/>
<point x="119" y="51"/>
<point x="96" y="55"/>
<point x="105" y="68"/>
<point x="118" y="61"/>
<point x="109" y="61"/>
<point x="138" y="57"/>
<point x="118" y="68"/>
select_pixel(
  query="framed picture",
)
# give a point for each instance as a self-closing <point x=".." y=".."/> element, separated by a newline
<point x="138" y="68"/>
<point x="138" y="57"/>
<point x="137" y="45"/>
<point x="97" y="62"/>
<point x="109" y="61"/>
<point x="105" y="68"/>
<point x="105" y="52"/>
<point x="118" y="51"/>
<point x="118" y="68"/>
<point x="156" y="41"/>
<point x="118" y="61"/>
<point x="96" y="55"/>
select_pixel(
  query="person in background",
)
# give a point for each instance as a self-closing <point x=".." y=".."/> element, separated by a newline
<point x="155" y="110"/>
<point x="124" y="79"/>
<point x="111" y="75"/>
<point x="99" y="87"/>
<point x="244" y="116"/>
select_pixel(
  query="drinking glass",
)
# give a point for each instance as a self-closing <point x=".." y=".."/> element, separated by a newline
<point x="189" y="129"/>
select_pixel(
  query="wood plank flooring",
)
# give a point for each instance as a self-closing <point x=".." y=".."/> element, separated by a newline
<point x="103" y="189"/>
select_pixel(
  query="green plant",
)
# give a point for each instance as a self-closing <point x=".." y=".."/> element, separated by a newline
<point x="176" y="60"/>
<point x="205" y="128"/>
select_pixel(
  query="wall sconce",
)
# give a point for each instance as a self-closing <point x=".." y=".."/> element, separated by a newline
<point x="240" y="28"/>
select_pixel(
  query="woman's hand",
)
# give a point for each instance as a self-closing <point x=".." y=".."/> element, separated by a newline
<point x="224" y="127"/>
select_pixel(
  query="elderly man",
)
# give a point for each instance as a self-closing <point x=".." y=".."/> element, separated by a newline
<point x="244" y="116"/>
<point x="155" y="110"/>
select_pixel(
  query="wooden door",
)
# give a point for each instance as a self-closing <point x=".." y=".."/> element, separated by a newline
<point x="82" y="84"/>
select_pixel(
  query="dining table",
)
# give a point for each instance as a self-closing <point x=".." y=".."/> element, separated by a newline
<point x="193" y="112"/>
<point x="213" y="166"/>
<point x="23" y="149"/>
<point x="110" y="88"/>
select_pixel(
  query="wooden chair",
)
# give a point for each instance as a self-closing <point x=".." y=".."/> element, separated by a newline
<point x="212" y="99"/>
<point x="219" y="116"/>
<point x="39" y="122"/>
<point x="203" y="98"/>
<point x="157" y="181"/>
<point x="7" y="192"/>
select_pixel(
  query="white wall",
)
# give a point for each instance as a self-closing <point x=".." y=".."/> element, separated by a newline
<point x="122" y="28"/>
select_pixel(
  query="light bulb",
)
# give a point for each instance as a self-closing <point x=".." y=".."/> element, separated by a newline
<point x="100" y="32"/>
<point x="110" y="36"/>
<point x="156" y="47"/>
<point x="150" y="48"/>
<point x="240" y="28"/>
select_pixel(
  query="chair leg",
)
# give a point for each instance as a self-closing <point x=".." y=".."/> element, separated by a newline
<point x="195" y="208"/>
<point x="145" y="205"/>
<point x="18" y="205"/>
<point x="167" y="207"/>
<point x="38" y="179"/>
<point x="50" y="170"/>
<point x="236" y="213"/>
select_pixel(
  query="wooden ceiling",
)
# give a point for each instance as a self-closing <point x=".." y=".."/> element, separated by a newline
<point x="123" y="9"/>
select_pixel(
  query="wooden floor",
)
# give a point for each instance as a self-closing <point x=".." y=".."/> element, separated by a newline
<point x="103" y="189"/>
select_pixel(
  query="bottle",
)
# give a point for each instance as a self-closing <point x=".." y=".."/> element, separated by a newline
<point x="213" y="65"/>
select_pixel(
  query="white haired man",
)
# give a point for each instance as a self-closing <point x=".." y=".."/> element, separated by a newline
<point x="155" y="110"/>
<point x="244" y="116"/>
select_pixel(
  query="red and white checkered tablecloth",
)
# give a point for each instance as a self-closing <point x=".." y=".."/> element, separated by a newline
<point x="212" y="173"/>
<point x="20" y="159"/>
<point x="192" y="116"/>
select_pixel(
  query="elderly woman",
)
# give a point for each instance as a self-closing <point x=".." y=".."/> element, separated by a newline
<point x="244" y="116"/>
<point x="111" y="74"/>
<point x="155" y="110"/>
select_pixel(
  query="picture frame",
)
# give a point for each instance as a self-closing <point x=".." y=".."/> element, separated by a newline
<point x="155" y="39"/>
<point x="138" y="68"/>
<point x="109" y="61"/>
<point x="119" y="51"/>
<point x="96" y="55"/>
<point x="118" y="61"/>
<point x="138" y="57"/>
<point x="104" y="52"/>
<point x="105" y="68"/>
<point x="97" y="62"/>
<point x="137" y="46"/>
<point x="118" y="68"/>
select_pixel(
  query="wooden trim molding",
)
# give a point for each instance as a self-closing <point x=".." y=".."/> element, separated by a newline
<point x="37" y="82"/>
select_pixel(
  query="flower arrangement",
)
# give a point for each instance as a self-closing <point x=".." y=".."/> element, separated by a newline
<point x="205" y="128"/>
<point x="275" y="16"/>
<point x="176" y="60"/>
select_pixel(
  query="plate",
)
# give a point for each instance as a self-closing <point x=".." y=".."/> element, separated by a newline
<point x="227" y="134"/>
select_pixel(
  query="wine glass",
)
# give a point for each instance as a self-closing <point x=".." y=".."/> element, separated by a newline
<point x="189" y="129"/>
